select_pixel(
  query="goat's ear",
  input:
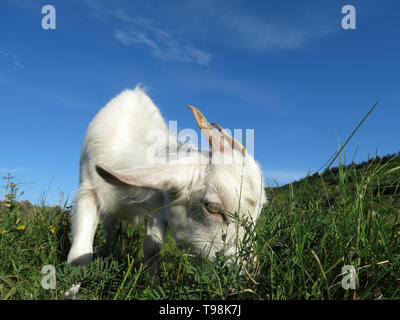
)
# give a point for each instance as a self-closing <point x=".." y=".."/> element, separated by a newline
<point x="165" y="177"/>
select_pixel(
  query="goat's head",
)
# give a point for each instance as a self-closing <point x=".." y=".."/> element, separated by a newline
<point x="209" y="203"/>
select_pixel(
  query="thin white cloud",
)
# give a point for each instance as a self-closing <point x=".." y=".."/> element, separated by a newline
<point x="141" y="32"/>
<point x="161" y="44"/>
<point x="264" y="36"/>
<point x="12" y="170"/>
<point x="270" y="27"/>
<point x="256" y="34"/>
<point x="164" y="47"/>
<point x="13" y="59"/>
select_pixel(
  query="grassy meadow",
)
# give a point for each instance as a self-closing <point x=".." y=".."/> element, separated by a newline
<point x="349" y="215"/>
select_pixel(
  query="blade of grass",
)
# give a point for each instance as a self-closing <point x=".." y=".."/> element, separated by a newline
<point x="335" y="155"/>
<point x="323" y="274"/>
<point x="125" y="277"/>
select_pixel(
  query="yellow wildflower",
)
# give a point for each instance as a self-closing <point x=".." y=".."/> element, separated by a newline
<point x="52" y="228"/>
<point x="2" y="231"/>
<point x="21" y="227"/>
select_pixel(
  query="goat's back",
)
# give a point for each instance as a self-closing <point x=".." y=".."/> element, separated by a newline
<point x="118" y="135"/>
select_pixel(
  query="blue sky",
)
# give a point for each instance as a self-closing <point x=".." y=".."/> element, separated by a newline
<point x="286" y="69"/>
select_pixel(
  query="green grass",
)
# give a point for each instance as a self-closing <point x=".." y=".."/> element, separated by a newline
<point x="305" y="235"/>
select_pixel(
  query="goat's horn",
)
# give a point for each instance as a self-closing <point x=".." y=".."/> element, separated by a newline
<point x="220" y="129"/>
<point x="200" y="118"/>
<point x="207" y="129"/>
<point x="232" y="141"/>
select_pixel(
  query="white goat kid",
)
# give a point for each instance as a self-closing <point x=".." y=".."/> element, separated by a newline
<point x="197" y="198"/>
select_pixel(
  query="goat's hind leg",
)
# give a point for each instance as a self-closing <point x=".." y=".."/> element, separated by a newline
<point x="85" y="218"/>
<point x="155" y="233"/>
<point x="112" y="229"/>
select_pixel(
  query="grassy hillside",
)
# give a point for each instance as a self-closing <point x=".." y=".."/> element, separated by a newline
<point x="348" y="215"/>
<point x="379" y="176"/>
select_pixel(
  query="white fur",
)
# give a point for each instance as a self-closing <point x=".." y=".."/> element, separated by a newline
<point x="168" y="195"/>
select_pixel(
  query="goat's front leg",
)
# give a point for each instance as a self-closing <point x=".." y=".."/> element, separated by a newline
<point x="155" y="232"/>
<point x="84" y="223"/>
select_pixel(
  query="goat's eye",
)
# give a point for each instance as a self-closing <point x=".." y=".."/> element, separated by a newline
<point x="214" y="209"/>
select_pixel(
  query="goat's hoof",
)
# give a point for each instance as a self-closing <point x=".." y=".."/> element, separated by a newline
<point x="80" y="260"/>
